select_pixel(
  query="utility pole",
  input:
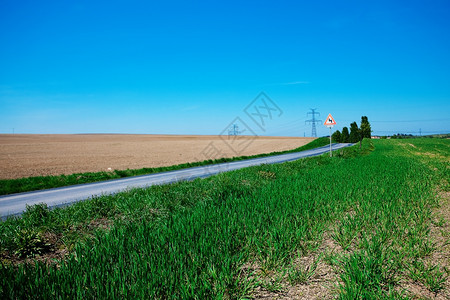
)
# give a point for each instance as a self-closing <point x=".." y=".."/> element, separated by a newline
<point x="420" y="131"/>
<point x="313" y="121"/>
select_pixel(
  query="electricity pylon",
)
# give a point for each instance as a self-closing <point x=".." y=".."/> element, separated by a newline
<point x="234" y="130"/>
<point x="313" y="121"/>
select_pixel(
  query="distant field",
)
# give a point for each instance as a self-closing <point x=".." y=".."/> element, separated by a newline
<point x="40" y="155"/>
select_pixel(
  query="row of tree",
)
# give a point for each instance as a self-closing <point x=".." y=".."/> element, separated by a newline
<point x="356" y="133"/>
<point x="402" y="136"/>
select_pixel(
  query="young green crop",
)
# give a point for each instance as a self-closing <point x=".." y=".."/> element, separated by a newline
<point x="226" y="236"/>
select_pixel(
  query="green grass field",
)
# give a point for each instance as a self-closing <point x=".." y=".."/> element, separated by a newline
<point x="365" y="224"/>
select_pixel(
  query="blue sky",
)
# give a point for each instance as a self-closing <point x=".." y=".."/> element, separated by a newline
<point x="192" y="67"/>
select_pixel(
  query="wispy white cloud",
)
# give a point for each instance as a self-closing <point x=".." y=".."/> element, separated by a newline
<point x="295" y="82"/>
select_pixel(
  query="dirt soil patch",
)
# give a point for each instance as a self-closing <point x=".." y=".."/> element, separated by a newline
<point x="25" y="155"/>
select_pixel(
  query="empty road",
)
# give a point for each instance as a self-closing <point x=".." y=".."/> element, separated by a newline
<point x="15" y="204"/>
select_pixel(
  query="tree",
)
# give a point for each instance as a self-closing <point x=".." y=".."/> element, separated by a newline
<point x="354" y="133"/>
<point x="365" y="128"/>
<point x="345" y="136"/>
<point x="336" y="136"/>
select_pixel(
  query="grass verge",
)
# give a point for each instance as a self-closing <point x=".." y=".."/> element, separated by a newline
<point x="10" y="186"/>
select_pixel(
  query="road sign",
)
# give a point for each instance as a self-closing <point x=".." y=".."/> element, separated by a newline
<point x="329" y="121"/>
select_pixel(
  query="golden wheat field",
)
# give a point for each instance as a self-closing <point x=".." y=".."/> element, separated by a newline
<point x="24" y="155"/>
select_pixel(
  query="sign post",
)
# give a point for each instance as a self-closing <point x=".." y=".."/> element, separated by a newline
<point x="330" y="122"/>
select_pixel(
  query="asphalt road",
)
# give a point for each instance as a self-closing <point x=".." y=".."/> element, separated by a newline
<point x="15" y="204"/>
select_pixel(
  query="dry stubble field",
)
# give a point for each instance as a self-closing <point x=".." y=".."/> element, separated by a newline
<point x="25" y="155"/>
